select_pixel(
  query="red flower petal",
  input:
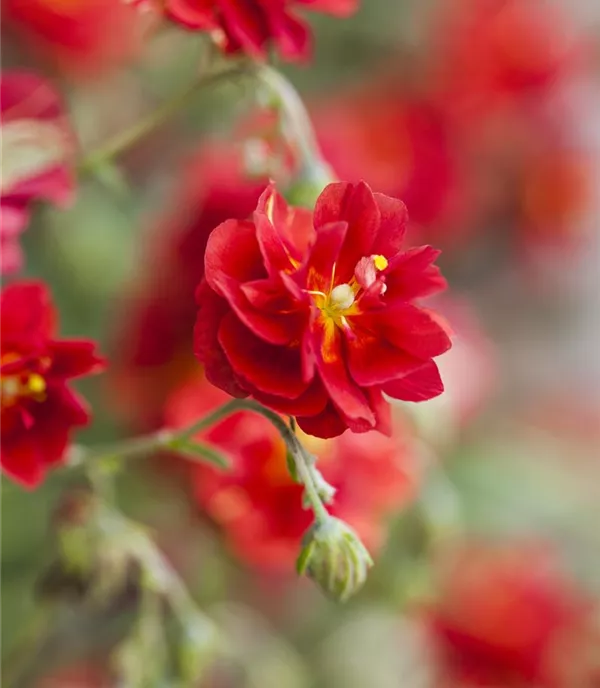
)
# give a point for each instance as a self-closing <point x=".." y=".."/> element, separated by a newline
<point x="354" y="204"/>
<point x="212" y="309"/>
<point x="21" y="459"/>
<point x="373" y="361"/>
<point x="326" y="424"/>
<point x="344" y="392"/>
<point x="392" y="228"/>
<point x="312" y="401"/>
<point x="195" y="14"/>
<point x="271" y="369"/>
<point x="411" y="275"/>
<point x="382" y="411"/>
<point x="414" y="330"/>
<point x="291" y="35"/>
<point x="73" y="358"/>
<point x="232" y="257"/>
<point x="425" y="383"/>
<point x="323" y="256"/>
<point x="27" y="316"/>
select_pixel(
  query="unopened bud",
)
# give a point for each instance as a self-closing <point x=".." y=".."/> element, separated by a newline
<point x="335" y="558"/>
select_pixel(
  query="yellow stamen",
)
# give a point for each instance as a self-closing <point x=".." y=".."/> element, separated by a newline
<point x="380" y="262"/>
<point x="36" y="384"/>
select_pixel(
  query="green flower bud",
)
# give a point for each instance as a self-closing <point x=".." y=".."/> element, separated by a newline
<point x="335" y="558"/>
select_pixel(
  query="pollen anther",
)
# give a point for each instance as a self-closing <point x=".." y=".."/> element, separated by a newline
<point x="380" y="262"/>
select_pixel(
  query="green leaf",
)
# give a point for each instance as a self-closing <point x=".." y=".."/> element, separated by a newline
<point x="201" y="452"/>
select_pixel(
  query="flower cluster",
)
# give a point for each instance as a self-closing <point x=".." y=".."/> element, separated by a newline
<point x="312" y="314"/>
<point x="39" y="409"/>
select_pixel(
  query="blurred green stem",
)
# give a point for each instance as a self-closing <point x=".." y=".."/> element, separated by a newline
<point x="146" y="125"/>
<point x="313" y="172"/>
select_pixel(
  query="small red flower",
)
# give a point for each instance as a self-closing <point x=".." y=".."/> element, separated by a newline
<point x="38" y="146"/>
<point x="256" y="502"/>
<point x="313" y="315"/>
<point x="79" y="37"/>
<point x="38" y="409"/>
<point x="250" y="26"/>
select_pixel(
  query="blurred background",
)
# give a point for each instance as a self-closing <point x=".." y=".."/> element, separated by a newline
<point x="482" y="512"/>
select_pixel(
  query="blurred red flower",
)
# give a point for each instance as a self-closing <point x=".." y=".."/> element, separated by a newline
<point x="484" y="51"/>
<point x="507" y="615"/>
<point x="402" y="146"/>
<point x="79" y="37"/>
<point x="257" y="503"/>
<point x="38" y="409"/>
<point x="313" y="315"/>
<point x="153" y="347"/>
<point x="37" y="151"/>
<point x="251" y="26"/>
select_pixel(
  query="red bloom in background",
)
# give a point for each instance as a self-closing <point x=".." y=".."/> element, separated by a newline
<point x="79" y="37"/>
<point x="490" y="48"/>
<point x="507" y="616"/>
<point x="153" y="350"/>
<point x="487" y="50"/>
<point x="38" y="409"/>
<point x="401" y="146"/>
<point x="257" y="503"/>
<point x="313" y="315"/>
<point x="250" y="26"/>
<point x="37" y="150"/>
<point x="557" y="190"/>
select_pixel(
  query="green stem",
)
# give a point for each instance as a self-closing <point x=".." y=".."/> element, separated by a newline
<point x="296" y="121"/>
<point x="128" y="138"/>
<point x="302" y="461"/>
<point x="178" y="439"/>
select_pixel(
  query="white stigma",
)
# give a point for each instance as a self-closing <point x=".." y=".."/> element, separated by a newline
<point x="342" y="296"/>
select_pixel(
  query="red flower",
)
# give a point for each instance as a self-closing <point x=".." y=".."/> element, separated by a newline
<point x="251" y="25"/>
<point x="36" y="158"/>
<point x="38" y="409"/>
<point x="259" y="506"/>
<point x="313" y="316"/>
<point x="79" y="37"/>
<point x="153" y="351"/>
<point x="504" y="612"/>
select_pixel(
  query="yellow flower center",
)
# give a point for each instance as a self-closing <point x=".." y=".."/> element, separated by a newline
<point x="20" y="385"/>
<point x="340" y="303"/>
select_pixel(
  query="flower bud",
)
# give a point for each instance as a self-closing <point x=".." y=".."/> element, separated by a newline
<point x="335" y="558"/>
